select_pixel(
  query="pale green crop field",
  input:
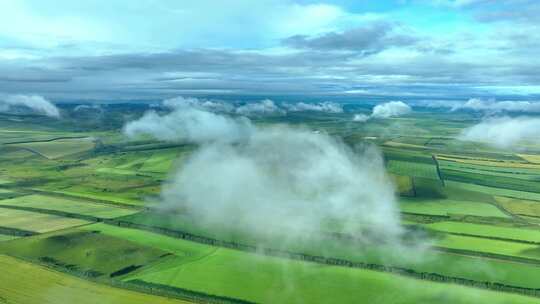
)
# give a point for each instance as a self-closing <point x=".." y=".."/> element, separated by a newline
<point x="530" y="235"/>
<point x="68" y="205"/>
<point x="37" y="222"/>
<point x="448" y="206"/>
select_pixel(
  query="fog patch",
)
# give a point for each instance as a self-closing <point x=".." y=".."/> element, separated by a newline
<point x="35" y="103"/>
<point x="190" y="125"/>
<point x="328" y="107"/>
<point x="264" y="107"/>
<point x="504" y="132"/>
<point x="391" y="109"/>
<point x="361" y="117"/>
<point x="498" y="106"/>
<point x="197" y="103"/>
<point x="385" y="110"/>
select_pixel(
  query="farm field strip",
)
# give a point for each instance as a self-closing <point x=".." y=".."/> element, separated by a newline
<point x="42" y="285"/>
<point x="448" y="207"/>
<point x="488" y="231"/>
<point x="69" y="206"/>
<point x="37" y="222"/>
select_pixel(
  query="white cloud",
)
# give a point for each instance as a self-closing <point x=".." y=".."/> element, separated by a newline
<point x="209" y="105"/>
<point x="496" y="106"/>
<point x="283" y="179"/>
<point x="360" y="117"/>
<point x="391" y="109"/>
<point x="35" y="103"/>
<point x="188" y="124"/>
<point x="504" y="132"/>
<point x="264" y="107"/>
<point x="329" y="107"/>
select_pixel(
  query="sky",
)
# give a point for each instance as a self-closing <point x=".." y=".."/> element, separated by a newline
<point x="97" y="50"/>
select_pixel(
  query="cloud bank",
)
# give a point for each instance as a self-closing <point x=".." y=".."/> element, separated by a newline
<point x="36" y="103"/>
<point x="385" y="110"/>
<point x="274" y="179"/>
<point x="264" y="107"/>
<point x="391" y="109"/>
<point x="191" y="125"/>
<point x="504" y="132"/>
<point x="497" y="106"/>
<point x="328" y="107"/>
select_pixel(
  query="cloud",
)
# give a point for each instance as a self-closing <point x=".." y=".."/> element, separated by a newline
<point x="280" y="180"/>
<point x="205" y="104"/>
<point x="496" y="106"/>
<point x="190" y="125"/>
<point x="329" y="107"/>
<point x="361" y="117"/>
<point x="264" y="107"/>
<point x="88" y="108"/>
<point x="35" y="103"/>
<point x="368" y="39"/>
<point x="504" y="132"/>
<point x="391" y="109"/>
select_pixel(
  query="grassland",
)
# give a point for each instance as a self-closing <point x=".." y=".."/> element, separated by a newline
<point x="58" y="148"/>
<point x="83" y="251"/>
<point x="449" y="207"/>
<point x="25" y="283"/>
<point x="37" y="222"/>
<point x="228" y="272"/>
<point x="529" y="235"/>
<point x="67" y="205"/>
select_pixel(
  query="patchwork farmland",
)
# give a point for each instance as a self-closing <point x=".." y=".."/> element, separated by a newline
<point x="82" y="210"/>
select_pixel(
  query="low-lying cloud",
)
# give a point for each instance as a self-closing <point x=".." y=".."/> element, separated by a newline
<point x="498" y="106"/>
<point x="504" y="132"/>
<point x="391" y="109"/>
<point x="188" y="124"/>
<point x="274" y="179"/>
<point x="35" y="103"/>
<point x="328" y="107"/>
<point x="385" y="110"/>
<point x="264" y="107"/>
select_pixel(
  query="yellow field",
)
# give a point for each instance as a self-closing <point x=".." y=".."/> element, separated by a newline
<point x="37" y="222"/>
<point x="519" y="206"/>
<point x="58" y="148"/>
<point x="26" y="283"/>
<point x="535" y="159"/>
<point x="492" y="163"/>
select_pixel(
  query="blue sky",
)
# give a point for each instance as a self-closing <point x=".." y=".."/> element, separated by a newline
<point x="150" y="49"/>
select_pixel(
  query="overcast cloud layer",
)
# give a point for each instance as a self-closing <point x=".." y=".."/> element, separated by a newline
<point x="85" y="50"/>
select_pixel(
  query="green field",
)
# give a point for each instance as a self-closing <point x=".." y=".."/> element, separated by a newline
<point x="67" y="205"/>
<point x="41" y="285"/>
<point x="58" y="148"/>
<point x="530" y="235"/>
<point x="37" y="222"/>
<point x="197" y="264"/>
<point x="83" y="251"/>
<point x="449" y="207"/>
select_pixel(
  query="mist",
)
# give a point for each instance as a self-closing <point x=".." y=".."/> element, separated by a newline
<point x="273" y="180"/>
<point x="504" y="132"/>
<point x="190" y="125"/>
<point x="328" y="107"/>
<point x="498" y="106"/>
<point x="264" y="107"/>
<point x="385" y="110"/>
<point x="35" y="103"/>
